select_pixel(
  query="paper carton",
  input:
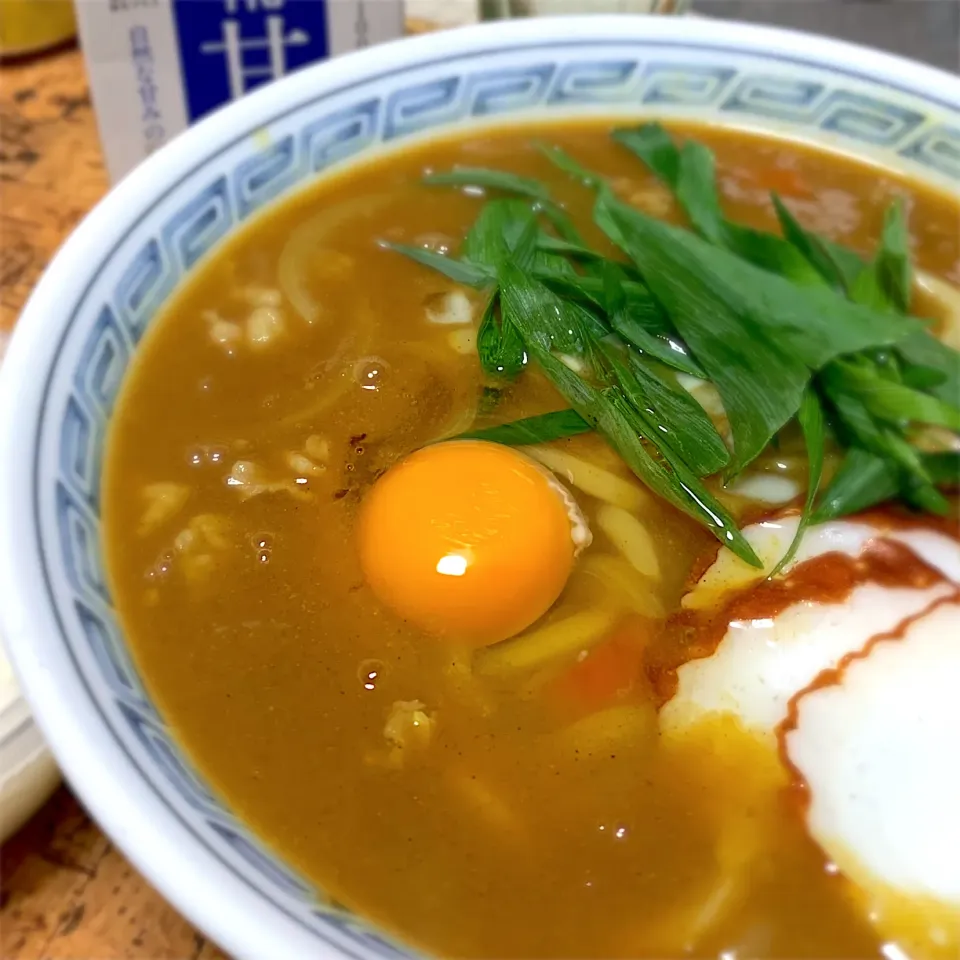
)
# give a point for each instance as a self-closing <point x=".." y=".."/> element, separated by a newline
<point x="156" y="66"/>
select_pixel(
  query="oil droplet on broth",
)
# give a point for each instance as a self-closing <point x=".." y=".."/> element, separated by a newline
<point x="370" y="673"/>
<point x="263" y="543"/>
<point x="369" y="372"/>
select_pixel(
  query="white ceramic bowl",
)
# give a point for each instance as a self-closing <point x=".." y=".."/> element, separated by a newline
<point x="74" y="342"/>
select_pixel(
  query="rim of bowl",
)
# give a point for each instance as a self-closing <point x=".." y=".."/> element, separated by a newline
<point x="125" y="804"/>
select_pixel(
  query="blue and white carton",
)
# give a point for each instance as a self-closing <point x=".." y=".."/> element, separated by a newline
<point x="156" y="66"/>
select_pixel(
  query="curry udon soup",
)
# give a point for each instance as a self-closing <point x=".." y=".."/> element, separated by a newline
<point x="545" y="540"/>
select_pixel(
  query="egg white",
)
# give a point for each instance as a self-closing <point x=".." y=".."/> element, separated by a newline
<point x="580" y="532"/>
<point x="760" y="664"/>
<point x="876" y="742"/>
<point x="878" y="753"/>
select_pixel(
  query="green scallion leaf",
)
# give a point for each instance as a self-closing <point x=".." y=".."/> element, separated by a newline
<point x="884" y="283"/>
<point x="813" y="426"/>
<point x="540" y="429"/>
<point x="783" y="326"/>
<point x="922" y="349"/>
<point x="549" y="244"/>
<point x="689" y="171"/>
<point x="655" y="147"/>
<point x="535" y="311"/>
<point x="497" y="231"/>
<point x="893" y="258"/>
<point x="919" y="377"/>
<point x="675" y="417"/>
<point x="944" y="468"/>
<point x="499" y="345"/>
<point x="759" y="382"/>
<point x="563" y="161"/>
<point x="863" y="480"/>
<point x="895" y="402"/>
<point x="757" y="335"/>
<point x="810" y="246"/>
<point x="486" y="179"/>
<point x="459" y="271"/>
<point x="771" y="253"/>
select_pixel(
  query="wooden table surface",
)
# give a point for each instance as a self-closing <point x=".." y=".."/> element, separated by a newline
<point x="65" y="891"/>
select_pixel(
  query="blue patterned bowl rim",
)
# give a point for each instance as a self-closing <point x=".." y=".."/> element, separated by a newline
<point x="83" y="322"/>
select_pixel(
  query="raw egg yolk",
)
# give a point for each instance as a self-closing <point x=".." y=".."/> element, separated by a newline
<point x="469" y="540"/>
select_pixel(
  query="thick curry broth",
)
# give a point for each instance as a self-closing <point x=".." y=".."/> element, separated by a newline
<point x="504" y="837"/>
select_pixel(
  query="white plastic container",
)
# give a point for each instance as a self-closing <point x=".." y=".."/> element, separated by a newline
<point x="157" y="67"/>
<point x="28" y="774"/>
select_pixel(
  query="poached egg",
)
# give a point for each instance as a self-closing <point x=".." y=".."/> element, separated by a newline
<point x="847" y="667"/>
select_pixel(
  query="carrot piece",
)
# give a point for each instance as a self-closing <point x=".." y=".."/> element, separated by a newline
<point x="608" y="673"/>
